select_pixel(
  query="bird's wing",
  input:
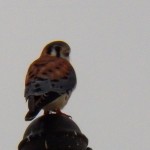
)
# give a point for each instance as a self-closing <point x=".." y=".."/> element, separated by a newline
<point x="45" y="75"/>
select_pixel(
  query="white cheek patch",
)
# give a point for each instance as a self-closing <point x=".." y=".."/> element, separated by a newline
<point x="64" y="57"/>
<point x="53" y="52"/>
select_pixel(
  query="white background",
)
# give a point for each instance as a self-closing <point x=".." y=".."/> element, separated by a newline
<point x="110" y="41"/>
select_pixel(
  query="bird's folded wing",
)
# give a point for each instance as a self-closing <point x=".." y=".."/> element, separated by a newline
<point x="39" y="87"/>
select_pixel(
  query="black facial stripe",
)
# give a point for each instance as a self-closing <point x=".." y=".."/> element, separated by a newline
<point x="58" y="48"/>
<point x="49" y="50"/>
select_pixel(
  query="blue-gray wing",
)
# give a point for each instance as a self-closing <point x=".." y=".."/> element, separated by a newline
<point x="49" y="74"/>
<point x="40" y="86"/>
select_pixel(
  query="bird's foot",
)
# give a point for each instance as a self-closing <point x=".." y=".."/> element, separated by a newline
<point x="61" y="113"/>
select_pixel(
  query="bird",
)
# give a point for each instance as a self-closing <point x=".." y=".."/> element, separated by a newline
<point x="50" y="80"/>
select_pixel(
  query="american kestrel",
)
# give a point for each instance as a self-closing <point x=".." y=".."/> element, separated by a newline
<point x="50" y="80"/>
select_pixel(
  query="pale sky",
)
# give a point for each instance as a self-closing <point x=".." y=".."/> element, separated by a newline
<point x="110" y="41"/>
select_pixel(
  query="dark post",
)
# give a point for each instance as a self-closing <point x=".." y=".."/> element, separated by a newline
<point x="53" y="132"/>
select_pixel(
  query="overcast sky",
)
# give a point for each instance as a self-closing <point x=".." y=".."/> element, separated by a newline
<point x="110" y="41"/>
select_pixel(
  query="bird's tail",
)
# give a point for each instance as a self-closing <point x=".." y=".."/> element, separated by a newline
<point x="31" y="115"/>
<point x="33" y="109"/>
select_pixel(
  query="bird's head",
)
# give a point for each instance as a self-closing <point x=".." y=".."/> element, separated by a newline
<point x="57" y="49"/>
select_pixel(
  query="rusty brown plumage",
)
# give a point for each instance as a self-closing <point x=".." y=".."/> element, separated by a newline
<point x="50" y="80"/>
<point x="48" y="67"/>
